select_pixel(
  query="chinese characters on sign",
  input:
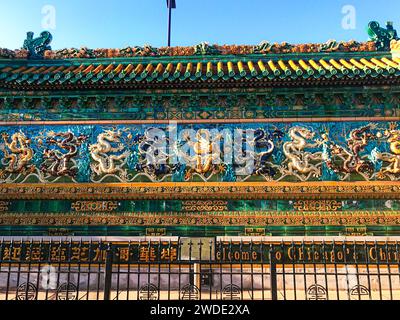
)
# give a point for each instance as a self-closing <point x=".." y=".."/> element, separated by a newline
<point x="77" y="252"/>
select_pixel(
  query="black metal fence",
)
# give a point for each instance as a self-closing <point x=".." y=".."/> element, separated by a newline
<point x="199" y="270"/>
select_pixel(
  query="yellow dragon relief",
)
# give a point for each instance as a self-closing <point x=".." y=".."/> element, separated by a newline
<point x="17" y="155"/>
<point x="108" y="159"/>
<point x="206" y="158"/>
<point x="393" y="168"/>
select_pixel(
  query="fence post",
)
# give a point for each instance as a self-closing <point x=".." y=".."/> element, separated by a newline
<point x="108" y="273"/>
<point x="272" y="268"/>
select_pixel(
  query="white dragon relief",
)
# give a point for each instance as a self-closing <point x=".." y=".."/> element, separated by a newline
<point x="301" y="163"/>
<point x="109" y="159"/>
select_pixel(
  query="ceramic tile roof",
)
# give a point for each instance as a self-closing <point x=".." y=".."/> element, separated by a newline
<point x="36" y="65"/>
<point x="252" y="67"/>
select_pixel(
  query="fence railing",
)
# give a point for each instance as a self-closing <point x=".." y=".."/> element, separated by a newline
<point x="199" y="270"/>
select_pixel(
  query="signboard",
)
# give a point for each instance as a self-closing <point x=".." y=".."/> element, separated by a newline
<point x="189" y="249"/>
<point x="197" y="249"/>
<point x="308" y="252"/>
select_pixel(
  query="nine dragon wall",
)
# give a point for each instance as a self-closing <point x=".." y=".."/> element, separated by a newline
<point x="318" y="151"/>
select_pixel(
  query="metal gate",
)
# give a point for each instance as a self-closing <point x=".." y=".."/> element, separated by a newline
<point x="199" y="270"/>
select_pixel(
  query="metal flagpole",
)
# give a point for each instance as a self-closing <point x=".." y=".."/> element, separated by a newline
<point x="171" y="4"/>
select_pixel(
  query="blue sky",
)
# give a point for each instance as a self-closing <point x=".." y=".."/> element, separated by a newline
<point x="119" y="23"/>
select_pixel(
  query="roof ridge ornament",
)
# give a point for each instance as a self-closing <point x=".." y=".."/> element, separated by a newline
<point x="146" y="50"/>
<point x="382" y="36"/>
<point x="37" y="46"/>
<point x="204" y="48"/>
<point x="330" y="45"/>
<point x="263" y="47"/>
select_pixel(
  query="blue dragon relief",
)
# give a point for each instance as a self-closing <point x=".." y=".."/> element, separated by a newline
<point x="37" y="46"/>
<point x="154" y="154"/>
<point x="262" y="143"/>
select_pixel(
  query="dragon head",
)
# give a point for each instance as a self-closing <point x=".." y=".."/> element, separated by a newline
<point x="305" y="132"/>
<point x="112" y="135"/>
<point x="20" y="136"/>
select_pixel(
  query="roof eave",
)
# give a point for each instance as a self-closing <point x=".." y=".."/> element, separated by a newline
<point x="197" y="58"/>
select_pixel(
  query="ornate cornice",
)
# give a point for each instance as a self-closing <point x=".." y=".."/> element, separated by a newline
<point x="191" y="104"/>
<point x="210" y="190"/>
<point x="203" y="121"/>
<point x="288" y="83"/>
<point x="262" y="218"/>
